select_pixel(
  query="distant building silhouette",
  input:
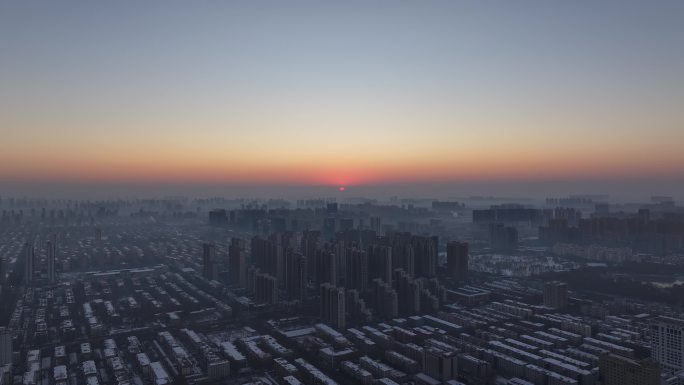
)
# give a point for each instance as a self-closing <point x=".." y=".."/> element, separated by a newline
<point x="440" y="364"/>
<point x="209" y="268"/>
<point x="380" y="263"/>
<point x="618" y="370"/>
<point x="237" y="262"/>
<point x="309" y="244"/>
<point x="357" y="269"/>
<point x="425" y="255"/>
<point x="332" y="305"/>
<point x="667" y="342"/>
<point x="385" y="299"/>
<point x="5" y="346"/>
<point x="556" y="295"/>
<point x="218" y="217"/>
<point x="326" y="265"/>
<point x="403" y="257"/>
<point x="356" y="307"/>
<point x="447" y="206"/>
<point x="266" y="288"/>
<point x="295" y="275"/>
<point x="503" y="238"/>
<point x="510" y="213"/>
<point x="29" y="260"/>
<point x="408" y="292"/>
<point x="51" y="255"/>
<point x="457" y="260"/>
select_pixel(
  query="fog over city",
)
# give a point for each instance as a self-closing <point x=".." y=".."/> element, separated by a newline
<point x="322" y="193"/>
<point x="620" y="190"/>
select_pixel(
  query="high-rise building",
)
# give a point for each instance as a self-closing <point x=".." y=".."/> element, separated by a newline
<point x="357" y="269"/>
<point x="263" y="254"/>
<point x="341" y="256"/>
<point x="376" y="224"/>
<point x="329" y="226"/>
<point x="29" y="260"/>
<point x="237" y="262"/>
<point x="295" y="275"/>
<point x="274" y="258"/>
<point x="457" y="260"/>
<point x="366" y="237"/>
<point x="403" y="257"/>
<point x="2" y="273"/>
<point x="667" y="342"/>
<point x="209" y="268"/>
<point x="326" y="264"/>
<point x="346" y="224"/>
<point x="380" y="263"/>
<point x="269" y="254"/>
<point x="252" y="272"/>
<point x="385" y="299"/>
<point x="218" y="217"/>
<point x="438" y="291"/>
<point x="333" y="309"/>
<point x="280" y="244"/>
<point x="618" y="370"/>
<point x="309" y="245"/>
<point x="260" y="247"/>
<point x="408" y="293"/>
<point x="440" y="364"/>
<point x="502" y="237"/>
<point x="5" y="346"/>
<point x="266" y="288"/>
<point x="555" y="295"/>
<point x="425" y="255"/>
<point x="429" y="302"/>
<point x="51" y="251"/>
<point x="356" y="308"/>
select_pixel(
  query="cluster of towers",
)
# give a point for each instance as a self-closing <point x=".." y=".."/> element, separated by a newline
<point x="356" y="276"/>
<point x="31" y="262"/>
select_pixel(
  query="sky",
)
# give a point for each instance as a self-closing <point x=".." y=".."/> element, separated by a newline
<point x="454" y="96"/>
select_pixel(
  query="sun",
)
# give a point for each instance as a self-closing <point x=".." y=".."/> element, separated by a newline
<point x="341" y="188"/>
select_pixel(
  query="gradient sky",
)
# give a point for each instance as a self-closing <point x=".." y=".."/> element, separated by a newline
<point x="331" y="93"/>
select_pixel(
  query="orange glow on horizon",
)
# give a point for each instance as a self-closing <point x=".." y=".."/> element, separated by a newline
<point x="239" y="94"/>
<point x="164" y="167"/>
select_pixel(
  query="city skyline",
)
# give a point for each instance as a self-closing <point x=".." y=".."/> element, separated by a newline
<point x="311" y="94"/>
<point x="362" y="192"/>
